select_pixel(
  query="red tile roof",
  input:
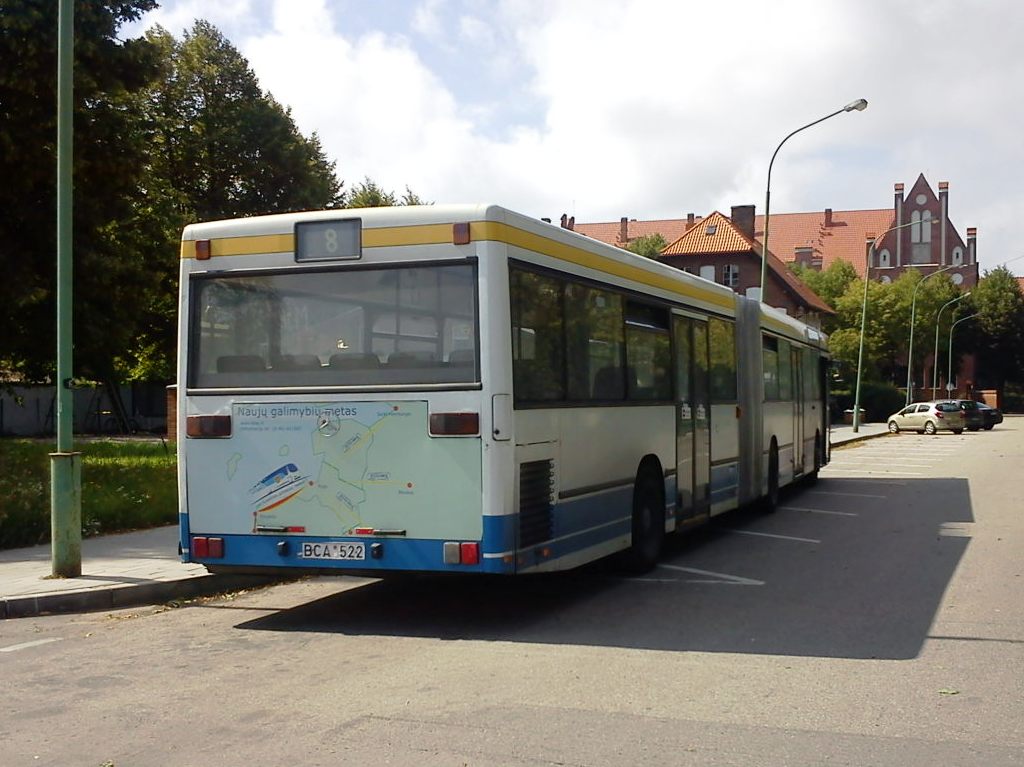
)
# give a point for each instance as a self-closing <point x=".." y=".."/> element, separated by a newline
<point x="669" y="228"/>
<point x="718" y="234"/>
<point x="843" y="240"/>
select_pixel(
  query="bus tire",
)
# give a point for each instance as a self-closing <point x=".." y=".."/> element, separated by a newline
<point x="648" y="523"/>
<point x="771" y="499"/>
<point x="813" y="476"/>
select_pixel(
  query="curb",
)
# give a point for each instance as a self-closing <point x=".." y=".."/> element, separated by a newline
<point x="859" y="438"/>
<point x="132" y="595"/>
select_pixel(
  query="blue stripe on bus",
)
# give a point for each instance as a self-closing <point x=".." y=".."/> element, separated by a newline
<point x="399" y="554"/>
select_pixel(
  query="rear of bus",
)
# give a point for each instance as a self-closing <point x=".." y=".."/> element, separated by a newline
<point x="330" y="394"/>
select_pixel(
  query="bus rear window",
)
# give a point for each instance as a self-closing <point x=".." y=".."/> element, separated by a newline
<point x="354" y="327"/>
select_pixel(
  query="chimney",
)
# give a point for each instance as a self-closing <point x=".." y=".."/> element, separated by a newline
<point x="899" y="222"/>
<point x="743" y="219"/>
<point x="943" y="215"/>
<point x="572" y="224"/>
<point x="972" y="238"/>
<point x="828" y="216"/>
<point x="624" y="230"/>
<point x="564" y="221"/>
<point x="689" y="221"/>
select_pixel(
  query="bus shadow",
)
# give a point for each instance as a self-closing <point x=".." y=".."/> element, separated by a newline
<point x="835" y="572"/>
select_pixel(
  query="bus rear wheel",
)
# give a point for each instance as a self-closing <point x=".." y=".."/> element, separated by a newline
<point x="648" y="524"/>
<point x="771" y="500"/>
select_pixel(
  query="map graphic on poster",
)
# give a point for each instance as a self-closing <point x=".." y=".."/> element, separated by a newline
<point x="327" y="468"/>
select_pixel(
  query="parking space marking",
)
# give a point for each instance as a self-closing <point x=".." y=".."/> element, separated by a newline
<point x="26" y="645"/>
<point x="775" y="535"/>
<point x="879" y="471"/>
<point x="819" y="511"/>
<point x="851" y="495"/>
<point x="887" y="482"/>
<point x="713" y="577"/>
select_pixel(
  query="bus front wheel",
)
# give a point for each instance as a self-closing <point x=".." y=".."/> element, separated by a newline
<point x="648" y="524"/>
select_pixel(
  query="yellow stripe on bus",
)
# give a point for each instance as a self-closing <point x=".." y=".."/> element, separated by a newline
<point x="441" y="234"/>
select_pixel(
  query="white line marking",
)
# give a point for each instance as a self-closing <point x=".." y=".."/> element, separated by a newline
<point x="735" y="580"/>
<point x="26" y="645"/>
<point x="773" y="535"/>
<point x="818" y="511"/>
<point x="879" y="471"/>
<point x="851" y="495"/>
<point x="887" y="482"/>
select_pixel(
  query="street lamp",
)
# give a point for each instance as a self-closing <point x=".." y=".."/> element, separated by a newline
<point x="859" y="106"/>
<point x="935" y="357"/>
<point x="864" y="314"/>
<point x="913" y="312"/>
<point x="949" y="351"/>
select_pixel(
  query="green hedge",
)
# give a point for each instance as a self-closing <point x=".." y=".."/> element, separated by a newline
<point x="125" y="486"/>
<point x="878" y="401"/>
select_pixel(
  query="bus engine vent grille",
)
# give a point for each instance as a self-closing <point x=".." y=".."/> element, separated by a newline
<point x="536" y="483"/>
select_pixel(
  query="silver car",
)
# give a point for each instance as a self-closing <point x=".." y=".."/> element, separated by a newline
<point x="928" y="418"/>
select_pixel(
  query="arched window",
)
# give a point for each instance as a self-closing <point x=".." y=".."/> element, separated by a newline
<point x="926" y="226"/>
<point x="884" y="259"/>
<point x="915" y="226"/>
<point x="958" y="255"/>
<point x="886" y="279"/>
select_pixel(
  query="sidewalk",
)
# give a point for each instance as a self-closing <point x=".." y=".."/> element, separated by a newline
<point x="841" y="434"/>
<point x="143" y="567"/>
<point x="118" y="571"/>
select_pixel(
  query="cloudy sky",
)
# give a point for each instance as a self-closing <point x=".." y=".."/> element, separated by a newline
<point x="652" y="109"/>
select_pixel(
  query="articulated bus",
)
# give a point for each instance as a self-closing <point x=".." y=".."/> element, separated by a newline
<point x="466" y="389"/>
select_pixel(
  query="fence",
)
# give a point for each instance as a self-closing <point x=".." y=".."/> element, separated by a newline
<point x="30" y="411"/>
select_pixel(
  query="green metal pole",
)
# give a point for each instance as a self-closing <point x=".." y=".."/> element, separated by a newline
<point x="65" y="464"/>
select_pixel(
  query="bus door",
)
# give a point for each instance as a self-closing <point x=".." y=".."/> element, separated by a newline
<point x="799" y="407"/>
<point x="693" y="418"/>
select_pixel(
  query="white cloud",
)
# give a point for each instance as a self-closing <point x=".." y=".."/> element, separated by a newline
<point x="653" y="109"/>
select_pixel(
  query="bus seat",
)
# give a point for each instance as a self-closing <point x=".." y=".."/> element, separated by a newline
<point x="354" y="361"/>
<point x="296" y="362"/>
<point x="240" y="363"/>
<point x="411" y="360"/>
<point x="609" y="383"/>
<point x="462" y="357"/>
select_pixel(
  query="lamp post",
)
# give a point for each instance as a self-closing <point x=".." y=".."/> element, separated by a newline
<point x="949" y="351"/>
<point x="859" y="105"/>
<point x="913" y="312"/>
<point x="864" y="314"/>
<point x="935" y="357"/>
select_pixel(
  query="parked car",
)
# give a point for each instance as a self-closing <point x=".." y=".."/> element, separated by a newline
<point x="973" y="419"/>
<point x="990" y="416"/>
<point x="928" y="418"/>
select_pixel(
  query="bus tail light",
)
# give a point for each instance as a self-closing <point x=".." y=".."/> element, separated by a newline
<point x="199" y="426"/>
<point x="470" y="553"/>
<point x="454" y="424"/>
<point x="207" y="548"/>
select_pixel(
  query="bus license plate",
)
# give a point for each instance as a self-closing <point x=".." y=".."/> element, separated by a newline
<point x="333" y="550"/>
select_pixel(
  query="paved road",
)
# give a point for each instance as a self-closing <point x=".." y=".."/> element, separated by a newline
<point x="876" y="618"/>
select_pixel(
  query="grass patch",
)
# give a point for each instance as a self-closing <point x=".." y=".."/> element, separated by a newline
<point x="126" y="485"/>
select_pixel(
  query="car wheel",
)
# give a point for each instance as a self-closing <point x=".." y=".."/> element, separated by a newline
<point x="894" y="427"/>
<point x="989" y="427"/>
<point x="961" y="431"/>
<point x="929" y="428"/>
<point x="973" y="428"/>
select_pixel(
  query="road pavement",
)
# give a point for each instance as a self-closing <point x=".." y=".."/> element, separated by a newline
<point x="143" y="568"/>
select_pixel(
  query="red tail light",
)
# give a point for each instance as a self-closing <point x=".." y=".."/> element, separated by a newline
<point x="200" y="547"/>
<point x="938" y="414"/>
<point x="200" y="426"/>
<point x="458" y="424"/>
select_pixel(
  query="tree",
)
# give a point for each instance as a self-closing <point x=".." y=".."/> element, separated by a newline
<point x="221" y="148"/>
<point x="649" y="246"/>
<point x="369" y="194"/>
<point x="996" y="336"/>
<point x="829" y="285"/>
<point x="111" y="236"/>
